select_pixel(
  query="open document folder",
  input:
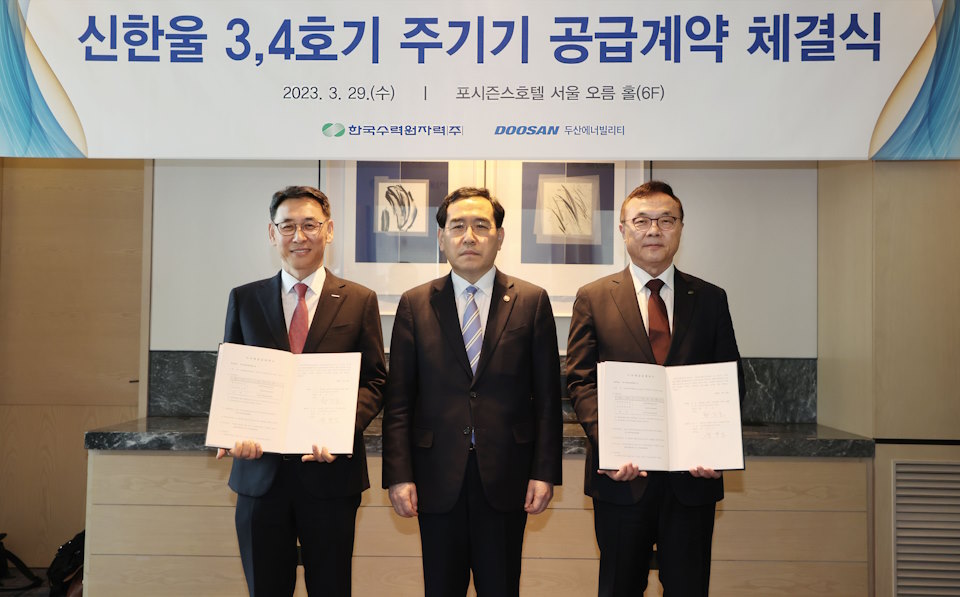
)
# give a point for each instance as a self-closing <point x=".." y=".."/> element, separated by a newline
<point x="287" y="402"/>
<point x="669" y="418"/>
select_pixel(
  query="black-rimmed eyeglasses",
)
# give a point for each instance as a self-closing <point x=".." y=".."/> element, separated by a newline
<point x="643" y="223"/>
<point x="309" y="227"/>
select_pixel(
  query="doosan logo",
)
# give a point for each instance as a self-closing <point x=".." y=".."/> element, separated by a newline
<point x="530" y="129"/>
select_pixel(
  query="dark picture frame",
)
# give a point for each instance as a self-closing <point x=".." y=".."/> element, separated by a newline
<point x="538" y="247"/>
<point x="376" y="246"/>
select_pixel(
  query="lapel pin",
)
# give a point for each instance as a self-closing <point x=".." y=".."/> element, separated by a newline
<point x="335" y="295"/>
<point x="506" y="299"/>
<point x="689" y="292"/>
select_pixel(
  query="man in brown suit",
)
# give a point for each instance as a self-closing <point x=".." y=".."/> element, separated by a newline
<point x="472" y="422"/>
<point x="651" y="312"/>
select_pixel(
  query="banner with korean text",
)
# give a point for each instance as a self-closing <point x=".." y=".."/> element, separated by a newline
<point x="424" y="79"/>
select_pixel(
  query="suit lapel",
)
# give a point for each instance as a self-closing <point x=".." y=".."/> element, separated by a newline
<point x="625" y="297"/>
<point x="684" y="300"/>
<point x="269" y="296"/>
<point x="332" y="297"/>
<point x="501" y="305"/>
<point x="445" y="308"/>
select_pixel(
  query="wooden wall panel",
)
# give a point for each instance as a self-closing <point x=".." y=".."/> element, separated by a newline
<point x="916" y="328"/>
<point x="164" y="576"/>
<point x="403" y="577"/>
<point x="780" y="579"/>
<point x="70" y="281"/>
<point x="569" y="577"/>
<point x="790" y="527"/>
<point x="560" y="534"/>
<point x="845" y="296"/>
<point x="43" y="469"/>
<point x="568" y="495"/>
<point x="767" y="579"/>
<point x="163" y="530"/>
<point x="397" y="576"/>
<point x="189" y="478"/>
<point x="375" y="496"/>
<point x="161" y="576"/>
<point x="381" y="532"/>
<point x="193" y="479"/>
<point x="794" y="484"/>
<point x="888" y="335"/>
<point x="146" y="283"/>
<point x="70" y="243"/>
<point x="791" y="536"/>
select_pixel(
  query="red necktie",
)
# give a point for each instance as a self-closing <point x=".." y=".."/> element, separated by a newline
<point x="658" y="326"/>
<point x="299" y="323"/>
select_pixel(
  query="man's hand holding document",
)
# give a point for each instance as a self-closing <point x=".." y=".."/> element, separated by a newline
<point x="669" y="418"/>
<point x="285" y="402"/>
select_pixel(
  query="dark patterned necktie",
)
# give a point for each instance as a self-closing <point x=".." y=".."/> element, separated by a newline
<point x="658" y="325"/>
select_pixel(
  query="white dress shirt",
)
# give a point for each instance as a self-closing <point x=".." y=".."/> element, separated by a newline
<point x="640" y="279"/>
<point x="482" y="297"/>
<point x="290" y="298"/>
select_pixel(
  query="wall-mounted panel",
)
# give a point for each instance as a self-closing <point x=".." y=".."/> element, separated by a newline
<point x="916" y="327"/>
<point x="751" y="228"/>
<point x="210" y="234"/>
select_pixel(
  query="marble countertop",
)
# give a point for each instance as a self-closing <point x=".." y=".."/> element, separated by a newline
<point x="771" y="439"/>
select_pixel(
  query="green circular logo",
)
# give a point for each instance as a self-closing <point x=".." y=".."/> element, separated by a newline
<point x="333" y="129"/>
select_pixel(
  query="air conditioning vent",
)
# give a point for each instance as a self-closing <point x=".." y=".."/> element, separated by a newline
<point x="926" y="532"/>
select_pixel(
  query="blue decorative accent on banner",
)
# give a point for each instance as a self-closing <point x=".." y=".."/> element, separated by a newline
<point x="931" y="128"/>
<point x="27" y="126"/>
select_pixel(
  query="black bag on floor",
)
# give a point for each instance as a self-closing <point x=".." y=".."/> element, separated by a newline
<point x="7" y="558"/>
<point x="66" y="569"/>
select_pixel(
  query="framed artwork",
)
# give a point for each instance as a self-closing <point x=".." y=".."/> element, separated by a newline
<point x="568" y="213"/>
<point x="568" y="210"/>
<point x="561" y="224"/>
<point x="401" y="206"/>
<point x="396" y="207"/>
<point x="385" y="215"/>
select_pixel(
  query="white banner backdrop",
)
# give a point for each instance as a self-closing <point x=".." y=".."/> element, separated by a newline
<point x="752" y="79"/>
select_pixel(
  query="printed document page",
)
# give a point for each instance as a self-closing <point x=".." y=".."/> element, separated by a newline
<point x="632" y="411"/>
<point x="669" y="418"/>
<point x="286" y="402"/>
<point x="704" y="417"/>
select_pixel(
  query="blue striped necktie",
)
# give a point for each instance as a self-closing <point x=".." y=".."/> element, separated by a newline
<point x="472" y="335"/>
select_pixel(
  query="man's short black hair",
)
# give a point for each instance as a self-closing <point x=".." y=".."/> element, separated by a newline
<point x="296" y="192"/>
<point x="654" y="187"/>
<point x="466" y="193"/>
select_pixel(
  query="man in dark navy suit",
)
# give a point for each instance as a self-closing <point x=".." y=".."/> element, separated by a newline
<point x="311" y="497"/>
<point x="472" y="422"/>
<point x="650" y="312"/>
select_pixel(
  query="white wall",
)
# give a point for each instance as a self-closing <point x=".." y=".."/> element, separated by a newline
<point x="749" y="227"/>
<point x="210" y="223"/>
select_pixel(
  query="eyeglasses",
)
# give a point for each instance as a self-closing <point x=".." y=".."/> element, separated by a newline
<point x="309" y="228"/>
<point x="643" y="223"/>
<point x="481" y="228"/>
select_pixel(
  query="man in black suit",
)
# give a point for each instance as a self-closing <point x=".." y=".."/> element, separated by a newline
<point x="619" y="318"/>
<point x="313" y="497"/>
<point x="472" y="423"/>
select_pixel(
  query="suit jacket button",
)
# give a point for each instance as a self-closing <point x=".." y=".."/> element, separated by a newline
<point x="466" y="431"/>
<point x="473" y="394"/>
